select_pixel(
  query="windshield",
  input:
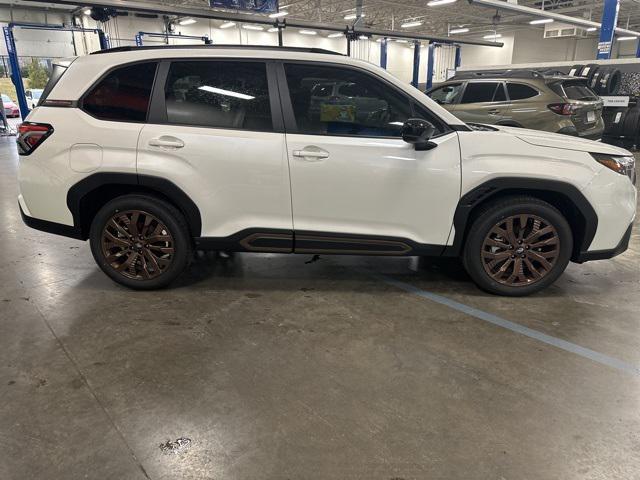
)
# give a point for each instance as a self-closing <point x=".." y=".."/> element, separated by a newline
<point x="36" y="93"/>
<point x="5" y="98"/>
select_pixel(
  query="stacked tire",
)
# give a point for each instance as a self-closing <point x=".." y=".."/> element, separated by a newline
<point x="602" y="80"/>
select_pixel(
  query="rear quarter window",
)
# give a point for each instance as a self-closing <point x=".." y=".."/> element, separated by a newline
<point x="123" y="94"/>
<point x="520" y="91"/>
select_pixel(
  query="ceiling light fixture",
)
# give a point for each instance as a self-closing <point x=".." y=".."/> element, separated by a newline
<point x="399" y="40"/>
<point x="353" y="16"/>
<point x="590" y="29"/>
<point x="435" y="3"/>
<point x="187" y="21"/>
<point x="253" y="27"/>
<point x="227" y="25"/>
<point x="624" y="39"/>
<point x="335" y="35"/>
<point x="492" y="36"/>
<point x="363" y="37"/>
<point x="87" y="11"/>
<point x="415" y="23"/>
<point x="459" y="30"/>
<point x="279" y="14"/>
<point x="308" y="32"/>
<point x="272" y="29"/>
<point x="540" y="21"/>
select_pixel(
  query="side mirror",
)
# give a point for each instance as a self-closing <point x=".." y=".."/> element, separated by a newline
<point x="419" y="132"/>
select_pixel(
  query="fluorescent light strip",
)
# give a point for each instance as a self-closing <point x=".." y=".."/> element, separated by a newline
<point x="227" y="93"/>
<point x="624" y="39"/>
<point x="187" y="21"/>
<point x="253" y="27"/>
<point x="492" y="36"/>
<point x="307" y="32"/>
<point x="435" y="3"/>
<point x="411" y="24"/>
<point x="272" y="29"/>
<point x="459" y="30"/>
<point x="279" y="14"/>
<point x="541" y="21"/>
<point x="228" y="25"/>
<point x="590" y="29"/>
<point x="335" y="35"/>
<point x="353" y="16"/>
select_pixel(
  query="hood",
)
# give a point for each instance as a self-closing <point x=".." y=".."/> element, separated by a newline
<point x="565" y="142"/>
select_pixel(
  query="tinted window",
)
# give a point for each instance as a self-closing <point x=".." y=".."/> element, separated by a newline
<point x="56" y="74"/>
<point x="479" y="92"/>
<point x="362" y="105"/>
<point x="578" y="91"/>
<point x="500" y="96"/>
<point x="446" y="94"/>
<point x="122" y="95"/>
<point x="520" y="91"/>
<point x="219" y="95"/>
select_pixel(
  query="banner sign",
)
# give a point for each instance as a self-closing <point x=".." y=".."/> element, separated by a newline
<point x="615" y="101"/>
<point x="259" y="6"/>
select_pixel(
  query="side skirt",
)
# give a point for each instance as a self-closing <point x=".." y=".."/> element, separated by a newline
<point x="306" y="242"/>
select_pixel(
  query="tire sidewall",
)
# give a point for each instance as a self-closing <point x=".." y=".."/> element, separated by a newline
<point x="167" y="214"/>
<point x="480" y="228"/>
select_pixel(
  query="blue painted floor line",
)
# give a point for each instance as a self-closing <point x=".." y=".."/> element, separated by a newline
<point x="514" y="327"/>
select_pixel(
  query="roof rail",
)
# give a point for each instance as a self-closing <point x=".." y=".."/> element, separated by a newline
<point x="214" y="47"/>
<point x="509" y="73"/>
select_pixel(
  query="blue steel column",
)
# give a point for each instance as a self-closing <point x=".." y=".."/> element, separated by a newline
<point x="383" y="53"/>
<point x="416" y="64"/>
<point x="458" y="57"/>
<point x="103" y="39"/>
<point x="607" y="30"/>
<point x="16" y="78"/>
<point x="138" y="39"/>
<point x="432" y="49"/>
<point x="638" y="50"/>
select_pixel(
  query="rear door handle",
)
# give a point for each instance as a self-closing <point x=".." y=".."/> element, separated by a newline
<point x="166" y="141"/>
<point x="312" y="154"/>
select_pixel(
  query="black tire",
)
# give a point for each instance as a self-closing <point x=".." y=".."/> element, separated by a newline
<point x="594" y="83"/>
<point x="575" y="70"/>
<point x="485" y="222"/>
<point x="172" y="236"/>
<point x="588" y="70"/>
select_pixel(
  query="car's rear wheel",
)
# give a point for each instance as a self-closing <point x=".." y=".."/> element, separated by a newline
<point x="517" y="246"/>
<point x="141" y="242"/>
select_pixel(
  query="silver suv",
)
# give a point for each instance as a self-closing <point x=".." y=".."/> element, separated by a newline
<point x="529" y="99"/>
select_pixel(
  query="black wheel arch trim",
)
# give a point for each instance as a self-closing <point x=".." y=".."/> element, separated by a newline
<point x="496" y="187"/>
<point x="151" y="183"/>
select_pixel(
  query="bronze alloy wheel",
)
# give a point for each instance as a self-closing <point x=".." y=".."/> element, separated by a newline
<point x="520" y="250"/>
<point x="137" y="245"/>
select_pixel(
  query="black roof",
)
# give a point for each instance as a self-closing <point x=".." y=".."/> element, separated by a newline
<point x="239" y="47"/>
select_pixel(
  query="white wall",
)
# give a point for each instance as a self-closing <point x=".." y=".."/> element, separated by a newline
<point x="474" y="55"/>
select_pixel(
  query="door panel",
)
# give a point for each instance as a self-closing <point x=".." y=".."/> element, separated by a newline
<point x="378" y="187"/>
<point x="212" y="134"/>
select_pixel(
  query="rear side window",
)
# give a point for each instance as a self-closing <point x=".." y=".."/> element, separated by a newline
<point x="520" y="91"/>
<point x="578" y="91"/>
<point x="56" y="74"/>
<point x="219" y="94"/>
<point x="477" y="92"/>
<point x="123" y="95"/>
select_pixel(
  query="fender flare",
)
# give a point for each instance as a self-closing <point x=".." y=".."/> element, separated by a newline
<point x="149" y="183"/>
<point x="506" y="185"/>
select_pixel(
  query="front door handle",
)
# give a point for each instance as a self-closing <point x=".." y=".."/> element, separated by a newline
<point x="311" y="154"/>
<point x="166" y="141"/>
<point x="493" y="111"/>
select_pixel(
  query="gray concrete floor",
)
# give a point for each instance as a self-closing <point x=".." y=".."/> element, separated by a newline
<point x="278" y="369"/>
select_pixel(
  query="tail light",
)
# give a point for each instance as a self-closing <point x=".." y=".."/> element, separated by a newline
<point x="563" y="108"/>
<point x="31" y="135"/>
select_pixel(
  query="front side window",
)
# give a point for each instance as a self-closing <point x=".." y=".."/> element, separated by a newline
<point x="123" y="95"/>
<point x="477" y="92"/>
<point x="219" y="94"/>
<point x="359" y="104"/>
<point x="447" y="94"/>
<point x="520" y="91"/>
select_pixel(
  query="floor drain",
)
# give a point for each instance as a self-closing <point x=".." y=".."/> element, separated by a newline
<point x="177" y="446"/>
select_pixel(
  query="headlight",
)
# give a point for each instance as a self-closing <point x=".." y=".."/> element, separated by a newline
<point x="622" y="165"/>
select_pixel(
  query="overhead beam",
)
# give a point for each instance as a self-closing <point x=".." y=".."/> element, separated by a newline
<point x="534" y="12"/>
<point x="264" y="20"/>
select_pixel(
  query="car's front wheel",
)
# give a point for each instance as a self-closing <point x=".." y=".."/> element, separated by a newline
<point x="517" y="246"/>
<point x="141" y="242"/>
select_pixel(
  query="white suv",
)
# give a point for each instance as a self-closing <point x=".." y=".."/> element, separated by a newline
<point x="151" y="153"/>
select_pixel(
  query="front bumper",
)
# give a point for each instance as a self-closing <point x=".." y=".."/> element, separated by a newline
<point x="605" y="254"/>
